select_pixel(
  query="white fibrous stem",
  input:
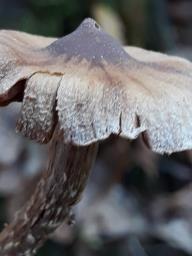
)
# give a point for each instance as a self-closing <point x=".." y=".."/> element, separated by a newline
<point x="59" y="188"/>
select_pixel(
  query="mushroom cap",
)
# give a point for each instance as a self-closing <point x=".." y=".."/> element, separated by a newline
<point x="94" y="88"/>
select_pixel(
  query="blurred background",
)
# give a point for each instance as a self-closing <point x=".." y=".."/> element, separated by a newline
<point x="137" y="203"/>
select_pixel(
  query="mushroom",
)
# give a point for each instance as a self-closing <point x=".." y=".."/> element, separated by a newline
<point x="75" y="92"/>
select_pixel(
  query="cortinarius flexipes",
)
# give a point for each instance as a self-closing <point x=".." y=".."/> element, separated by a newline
<point x="76" y="91"/>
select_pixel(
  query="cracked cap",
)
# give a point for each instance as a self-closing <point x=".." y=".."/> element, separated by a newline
<point x="93" y="88"/>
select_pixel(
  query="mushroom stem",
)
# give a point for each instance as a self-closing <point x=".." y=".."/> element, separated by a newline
<point x="59" y="188"/>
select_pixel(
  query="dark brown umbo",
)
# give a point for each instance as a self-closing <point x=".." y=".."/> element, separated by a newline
<point x="75" y="92"/>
